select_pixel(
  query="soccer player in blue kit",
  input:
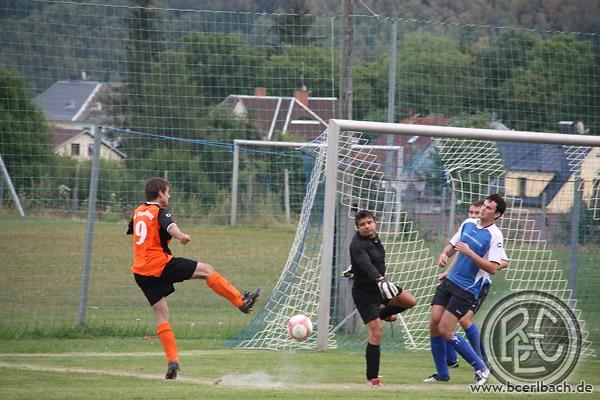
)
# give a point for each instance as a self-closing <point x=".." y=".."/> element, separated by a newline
<point x="480" y="247"/>
<point x="466" y="322"/>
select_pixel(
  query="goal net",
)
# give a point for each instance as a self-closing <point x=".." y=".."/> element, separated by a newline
<point x="411" y="201"/>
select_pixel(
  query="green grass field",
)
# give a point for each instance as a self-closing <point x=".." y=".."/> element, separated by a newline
<point x="44" y="356"/>
<point x="41" y="275"/>
<point x="132" y="368"/>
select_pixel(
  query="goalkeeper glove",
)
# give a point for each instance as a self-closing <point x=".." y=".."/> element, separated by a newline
<point x="387" y="289"/>
<point x="347" y="273"/>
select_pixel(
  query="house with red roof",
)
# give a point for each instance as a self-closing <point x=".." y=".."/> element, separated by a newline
<point x="300" y="115"/>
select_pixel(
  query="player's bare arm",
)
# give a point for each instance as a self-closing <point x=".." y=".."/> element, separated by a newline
<point x="449" y="266"/>
<point x="446" y="253"/>
<point x="174" y="231"/>
<point x="503" y="264"/>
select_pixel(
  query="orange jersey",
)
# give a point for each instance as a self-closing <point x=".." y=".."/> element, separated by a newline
<point x="150" y="239"/>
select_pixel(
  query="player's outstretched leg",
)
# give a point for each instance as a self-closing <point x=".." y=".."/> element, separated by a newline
<point x="224" y="288"/>
<point x="463" y="348"/>
<point x="250" y="298"/>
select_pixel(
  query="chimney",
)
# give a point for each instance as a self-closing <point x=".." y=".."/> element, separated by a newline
<point x="260" y="91"/>
<point x="301" y="95"/>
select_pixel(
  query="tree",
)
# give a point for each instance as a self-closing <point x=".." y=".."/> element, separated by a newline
<point x="293" y="27"/>
<point x="560" y="82"/>
<point x="220" y="65"/>
<point x="435" y="75"/>
<point x="300" y="66"/>
<point x="179" y="89"/>
<point x="367" y="101"/>
<point x="480" y="120"/>
<point x="171" y="105"/>
<point x="499" y="60"/>
<point x="143" y="48"/>
<point x="24" y="136"/>
<point x="221" y="127"/>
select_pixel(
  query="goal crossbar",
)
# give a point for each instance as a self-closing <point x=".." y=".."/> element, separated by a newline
<point x="289" y="145"/>
<point x="337" y="125"/>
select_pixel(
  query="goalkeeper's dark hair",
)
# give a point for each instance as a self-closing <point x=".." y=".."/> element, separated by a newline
<point x="500" y="203"/>
<point x="362" y="214"/>
<point x="154" y="186"/>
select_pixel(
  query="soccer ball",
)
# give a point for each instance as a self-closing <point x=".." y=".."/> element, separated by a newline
<point x="300" y="327"/>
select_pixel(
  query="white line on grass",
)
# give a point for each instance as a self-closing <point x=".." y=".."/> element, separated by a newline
<point x="228" y="382"/>
<point x="127" y="354"/>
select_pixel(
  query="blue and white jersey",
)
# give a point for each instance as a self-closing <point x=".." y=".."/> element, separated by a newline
<point x="488" y="278"/>
<point x="486" y="242"/>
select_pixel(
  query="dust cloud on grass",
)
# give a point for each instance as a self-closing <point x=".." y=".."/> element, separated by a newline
<point x="259" y="379"/>
<point x="287" y="374"/>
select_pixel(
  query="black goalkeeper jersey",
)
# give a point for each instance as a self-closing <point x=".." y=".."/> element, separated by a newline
<point x="367" y="256"/>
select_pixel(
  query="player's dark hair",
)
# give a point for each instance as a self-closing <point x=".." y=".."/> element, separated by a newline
<point x="362" y="214"/>
<point x="154" y="186"/>
<point x="476" y="203"/>
<point x="500" y="203"/>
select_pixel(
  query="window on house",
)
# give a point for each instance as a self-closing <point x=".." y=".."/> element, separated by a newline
<point x="75" y="149"/>
<point x="90" y="150"/>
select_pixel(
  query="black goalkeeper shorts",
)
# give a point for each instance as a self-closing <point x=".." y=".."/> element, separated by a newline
<point x="178" y="269"/>
<point x="368" y="301"/>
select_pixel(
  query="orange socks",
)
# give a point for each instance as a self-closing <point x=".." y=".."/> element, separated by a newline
<point x="222" y="287"/>
<point x="167" y="339"/>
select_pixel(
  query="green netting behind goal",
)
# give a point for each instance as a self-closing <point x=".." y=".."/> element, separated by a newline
<point x="171" y="89"/>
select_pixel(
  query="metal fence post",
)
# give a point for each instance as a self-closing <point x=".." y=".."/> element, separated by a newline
<point x="91" y="219"/>
<point x="575" y="216"/>
<point x="234" y="183"/>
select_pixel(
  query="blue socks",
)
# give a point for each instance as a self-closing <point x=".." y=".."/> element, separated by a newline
<point x="466" y="351"/>
<point x="474" y="338"/>
<point x="450" y="354"/>
<point x="438" y="350"/>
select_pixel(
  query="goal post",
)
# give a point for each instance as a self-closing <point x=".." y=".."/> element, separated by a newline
<point x="297" y="288"/>
<point x="337" y="126"/>
<point x="412" y="206"/>
<point x="11" y="188"/>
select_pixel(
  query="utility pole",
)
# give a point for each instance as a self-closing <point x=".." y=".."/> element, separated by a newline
<point x="345" y="105"/>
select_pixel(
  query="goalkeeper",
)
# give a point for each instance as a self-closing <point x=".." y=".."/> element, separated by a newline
<point x="371" y="290"/>
<point x="156" y="270"/>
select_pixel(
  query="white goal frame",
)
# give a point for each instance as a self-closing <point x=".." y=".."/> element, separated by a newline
<point x="338" y="125"/>
<point x="237" y="143"/>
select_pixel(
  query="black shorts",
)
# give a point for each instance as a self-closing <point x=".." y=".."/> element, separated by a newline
<point x="453" y="298"/>
<point x="178" y="269"/>
<point x="482" y="295"/>
<point x="368" y="301"/>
